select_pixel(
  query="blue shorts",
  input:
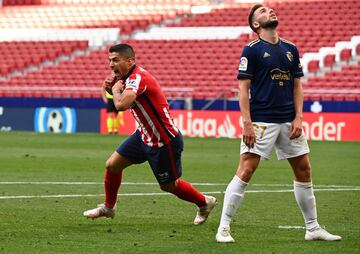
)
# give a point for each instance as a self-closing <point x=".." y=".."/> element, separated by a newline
<point x="164" y="161"/>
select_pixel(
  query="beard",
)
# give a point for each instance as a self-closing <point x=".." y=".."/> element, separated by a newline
<point x="269" y="24"/>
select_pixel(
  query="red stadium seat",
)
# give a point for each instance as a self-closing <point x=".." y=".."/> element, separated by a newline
<point x="345" y="55"/>
<point x="313" y="66"/>
<point x="329" y="60"/>
<point x="358" y="49"/>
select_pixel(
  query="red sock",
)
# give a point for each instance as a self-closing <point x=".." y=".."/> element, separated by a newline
<point x="184" y="190"/>
<point x="112" y="183"/>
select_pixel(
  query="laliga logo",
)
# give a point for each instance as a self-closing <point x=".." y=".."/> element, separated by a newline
<point x="56" y="120"/>
<point x="205" y="127"/>
<point x="227" y="129"/>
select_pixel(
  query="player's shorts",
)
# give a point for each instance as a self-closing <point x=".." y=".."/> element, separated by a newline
<point x="164" y="161"/>
<point x="270" y="135"/>
<point x="110" y="106"/>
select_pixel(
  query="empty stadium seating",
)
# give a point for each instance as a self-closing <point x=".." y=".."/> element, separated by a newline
<point x="337" y="85"/>
<point x="15" y="56"/>
<point x="67" y="14"/>
<point x="207" y="66"/>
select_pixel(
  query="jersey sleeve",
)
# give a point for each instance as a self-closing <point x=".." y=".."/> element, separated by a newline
<point x="247" y="63"/>
<point x="297" y="71"/>
<point x="133" y="83"/>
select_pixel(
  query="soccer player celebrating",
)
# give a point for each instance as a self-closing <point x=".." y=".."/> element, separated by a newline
<point x="271" y="102"/>
<point x="157" y="140"/>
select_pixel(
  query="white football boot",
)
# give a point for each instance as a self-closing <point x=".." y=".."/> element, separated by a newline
<point x="204" y="211"/>
<point x="320" y="234"/>
<point x="100" y="211"/>
<point x="223" y="236"/>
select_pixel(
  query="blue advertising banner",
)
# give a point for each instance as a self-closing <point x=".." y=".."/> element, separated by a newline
<point x="57" y="120"/>
<point x="16" y="119"/>
<point x="50" y="119"/>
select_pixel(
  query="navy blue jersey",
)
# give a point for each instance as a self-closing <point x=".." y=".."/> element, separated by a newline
<point x="271" y="69"/>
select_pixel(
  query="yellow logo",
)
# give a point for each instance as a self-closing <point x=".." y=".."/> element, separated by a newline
<point x="289" y="56"/>
<point x="277" y="74"/>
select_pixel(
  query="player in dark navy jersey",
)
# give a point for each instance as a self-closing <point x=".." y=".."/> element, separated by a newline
<point x="157" y="140"/>
<point x="271" y="102"/>
<point x="272" y="69"/>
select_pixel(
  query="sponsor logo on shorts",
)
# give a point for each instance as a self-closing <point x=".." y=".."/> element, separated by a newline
<point x="163" y="176"/>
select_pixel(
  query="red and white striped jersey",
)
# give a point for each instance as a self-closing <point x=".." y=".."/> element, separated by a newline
<point x="150" y="109"/>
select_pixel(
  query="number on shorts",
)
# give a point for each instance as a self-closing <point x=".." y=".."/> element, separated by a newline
<point x="259" y="130"/>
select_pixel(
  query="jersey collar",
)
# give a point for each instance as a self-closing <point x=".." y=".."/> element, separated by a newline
<point x="269" y="43"/>
<point x="129" y="73"/>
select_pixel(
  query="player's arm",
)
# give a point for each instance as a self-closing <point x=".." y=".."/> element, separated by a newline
<point x="123" y="99"/>
<point x="244" y="101"/>
<point x="296" y="125"/>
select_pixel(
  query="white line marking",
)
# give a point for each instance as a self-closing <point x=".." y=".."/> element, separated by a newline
<point x="158" y="193"/>
<point x="291" y="227"/>
<point x="154" y="183"/>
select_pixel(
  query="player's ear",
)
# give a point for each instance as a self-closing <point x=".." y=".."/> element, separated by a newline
<point x="256" y="24"/>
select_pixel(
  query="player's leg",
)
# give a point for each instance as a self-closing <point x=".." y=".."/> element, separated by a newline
<point x="185" y="191"/>
<point x="303" y="190"/>
<point x="109" y="122"/>
<point x="127" y="153"/>
<point x="112" y="180"/>
<point x="305" y="198"/>
<point x="115" y="122"/>
<point x="120" y="118"/>
<point x="113" y="176"/>
<point x="166" y="165"/>
<point x="234" y="194"/>
<point x="296" y="152"/>
<point x="266" y="135"/>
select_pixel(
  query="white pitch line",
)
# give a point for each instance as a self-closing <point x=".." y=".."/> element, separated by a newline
<point x="98" y="183"/>
<point x="290" y="227"/>
<point x="154" y="183"/>
<point x="159" y="193"/>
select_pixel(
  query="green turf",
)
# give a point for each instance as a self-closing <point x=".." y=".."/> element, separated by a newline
<point x="162" y="223"/>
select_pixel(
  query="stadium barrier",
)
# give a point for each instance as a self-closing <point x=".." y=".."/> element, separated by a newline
<point x="199" y="123"/>
<point x="318" y="124"/>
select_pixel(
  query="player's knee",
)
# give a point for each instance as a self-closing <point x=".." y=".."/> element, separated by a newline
<point x="245" y="173"/>
<point x="303" y="173"/>
<point x="110" y="165"/>
<point x="169" y="187"/>
<point x="304" y="169"/>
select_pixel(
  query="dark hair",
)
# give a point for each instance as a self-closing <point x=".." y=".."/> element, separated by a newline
<point x="251" y="14"/>
<point x="124" y="49"/>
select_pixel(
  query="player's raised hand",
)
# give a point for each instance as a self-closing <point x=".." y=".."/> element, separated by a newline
<point x="249" y="135"/>
<point x="295" y="128"/>
<point x="109" y="82"/>
<point x="118" y="87"/>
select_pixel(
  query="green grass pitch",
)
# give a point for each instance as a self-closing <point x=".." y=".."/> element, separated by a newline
<point x="48" y="180"/>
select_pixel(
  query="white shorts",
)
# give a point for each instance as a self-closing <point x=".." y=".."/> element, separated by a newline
<point x="269" y="135"/>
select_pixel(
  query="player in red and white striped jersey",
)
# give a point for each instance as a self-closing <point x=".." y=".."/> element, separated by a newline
<point x="150" y="108"/>
<point x="157" y="140"/>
